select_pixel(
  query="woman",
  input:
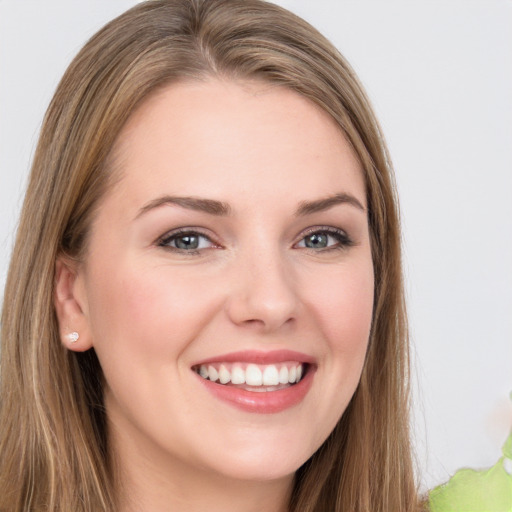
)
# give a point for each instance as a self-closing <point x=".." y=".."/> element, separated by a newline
<point x="204" y="305"/>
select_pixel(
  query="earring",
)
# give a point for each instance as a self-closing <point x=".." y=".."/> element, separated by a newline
<point x="73" y="337"/>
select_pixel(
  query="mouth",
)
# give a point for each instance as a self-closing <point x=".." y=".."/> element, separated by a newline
<point x="254" y="377"/>
<point x="258" y="382"/>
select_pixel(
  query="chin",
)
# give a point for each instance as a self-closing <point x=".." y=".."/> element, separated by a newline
<point x="263" y="470"/>
<point x="263" y="459"/>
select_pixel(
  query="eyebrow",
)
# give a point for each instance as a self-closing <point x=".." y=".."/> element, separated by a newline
<point x="219" y="208"/>
<point x="210" y="206"/>
<point x="320" y="205"/>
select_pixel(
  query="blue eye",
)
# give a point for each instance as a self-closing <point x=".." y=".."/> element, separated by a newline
<point x="187" y="241"/>
<point x="322" y="239"/>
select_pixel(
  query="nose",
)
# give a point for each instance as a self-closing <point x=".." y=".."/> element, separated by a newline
<point x="263" y="294"/>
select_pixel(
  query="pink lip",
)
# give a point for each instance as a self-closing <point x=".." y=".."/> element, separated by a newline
<point x="259" y="357"/>
<point x="261" y="402"/>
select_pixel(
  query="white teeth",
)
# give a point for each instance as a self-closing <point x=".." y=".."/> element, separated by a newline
<point x="253" y="376"/>
<point x="224" y="375"/>
<point x="237" y="375"/>
<point x="212" y="373"/>
<point x="270" y="376"/>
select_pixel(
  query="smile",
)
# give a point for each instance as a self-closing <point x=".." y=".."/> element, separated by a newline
<point x="258" y="382"/>
<point x="253" y="377"/>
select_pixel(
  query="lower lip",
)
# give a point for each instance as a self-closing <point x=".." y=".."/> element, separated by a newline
<point x="262" y="402"/>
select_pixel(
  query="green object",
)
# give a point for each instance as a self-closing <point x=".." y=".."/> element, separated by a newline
<point x="477" y="491"/>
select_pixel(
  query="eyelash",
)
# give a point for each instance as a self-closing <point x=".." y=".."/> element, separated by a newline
<point x="168" y="238"/>
<point x="343" y="241"/>
<point x="341" y="237"/>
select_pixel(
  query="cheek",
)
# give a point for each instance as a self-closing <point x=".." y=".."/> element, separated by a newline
<point x="147" y="311"/>
<point x="344" y="308"/>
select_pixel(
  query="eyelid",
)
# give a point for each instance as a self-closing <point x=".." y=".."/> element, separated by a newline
<point x="344" y="240"/>
<point x="174" y="233"/>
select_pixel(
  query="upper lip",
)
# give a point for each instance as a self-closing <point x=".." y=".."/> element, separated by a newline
<point x="259" y="357"/>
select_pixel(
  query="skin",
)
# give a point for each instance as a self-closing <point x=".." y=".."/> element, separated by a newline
<point x="152" y="312"/>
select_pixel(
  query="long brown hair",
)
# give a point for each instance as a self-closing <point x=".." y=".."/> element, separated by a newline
<point x="53" y="440"/>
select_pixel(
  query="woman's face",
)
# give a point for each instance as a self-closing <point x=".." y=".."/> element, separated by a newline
<point x="234" y="246"/>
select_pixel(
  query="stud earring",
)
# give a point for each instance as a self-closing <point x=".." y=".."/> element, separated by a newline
<point x="73" y="337"/>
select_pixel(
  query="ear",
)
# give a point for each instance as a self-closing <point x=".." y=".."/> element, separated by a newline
<point x="71" y="306"/>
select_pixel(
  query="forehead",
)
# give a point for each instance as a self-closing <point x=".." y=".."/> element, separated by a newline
<point x="235" y="141"/>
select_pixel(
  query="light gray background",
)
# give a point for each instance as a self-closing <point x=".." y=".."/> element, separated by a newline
<point x="439" y="74"/>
